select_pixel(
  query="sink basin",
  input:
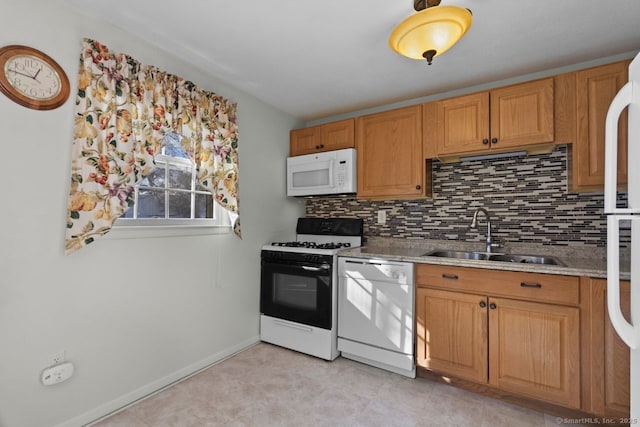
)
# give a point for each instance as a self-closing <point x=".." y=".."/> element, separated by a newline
<point x="528" y="259"/>
<point x="524" y="259"/>
<point x="457" y="254"/>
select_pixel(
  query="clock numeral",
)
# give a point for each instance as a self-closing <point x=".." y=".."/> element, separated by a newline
<point x="18" y="66"/>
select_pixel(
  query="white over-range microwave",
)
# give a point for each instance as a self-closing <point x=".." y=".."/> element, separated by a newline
<point x="330" y="172"/>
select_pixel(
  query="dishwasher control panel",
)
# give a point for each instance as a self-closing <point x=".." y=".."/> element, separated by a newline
<point x="378" y="270"/>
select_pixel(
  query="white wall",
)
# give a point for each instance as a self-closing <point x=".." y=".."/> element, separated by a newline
<point x="131" y="314"/>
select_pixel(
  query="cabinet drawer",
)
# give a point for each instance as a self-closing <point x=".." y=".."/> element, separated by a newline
<point x="529" y="286"/>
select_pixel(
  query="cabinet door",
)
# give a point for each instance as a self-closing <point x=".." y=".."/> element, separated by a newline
<point x="463" y="124"/>
<point x="609" y="354"/>
<point x="304" y="141"/>
<point x="522" y="114"/>
<point x="390" y="161"/>
<point x="534" y="350"/>
<point x="595" y="89"/>
<point x="337" y="135"/>
<point x="451" y="332"/>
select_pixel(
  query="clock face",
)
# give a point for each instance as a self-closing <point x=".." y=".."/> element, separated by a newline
<point x="32" y="77"/>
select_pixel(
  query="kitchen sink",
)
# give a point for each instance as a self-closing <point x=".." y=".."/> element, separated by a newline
<point x="457" y="254"/>
<point x="524" y="259"/>
<point x="528" y="259"/>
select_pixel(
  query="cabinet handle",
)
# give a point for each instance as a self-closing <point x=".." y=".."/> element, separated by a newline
<point x="450" y="276"/>
<point x="492" y="306"/>
<point x="483" y="304"/>
<point x="494" y="140"/>
<point x="530" y="285"/>
<point x="418" y="187"/>
<point x="485" y="141"/>
<point x="317" y="147"/>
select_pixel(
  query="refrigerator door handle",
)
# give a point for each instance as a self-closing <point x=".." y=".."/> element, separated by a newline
<point x="619" y="103"/>
<point x="628" y="333"/>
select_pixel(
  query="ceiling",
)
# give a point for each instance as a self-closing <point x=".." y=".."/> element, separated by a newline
<point x="324" y="58"/>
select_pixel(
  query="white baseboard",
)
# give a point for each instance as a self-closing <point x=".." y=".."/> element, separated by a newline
<point x="123" y="402"/>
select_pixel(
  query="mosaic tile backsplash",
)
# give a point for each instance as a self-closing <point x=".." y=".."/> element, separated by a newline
<point x="527" y="197"/>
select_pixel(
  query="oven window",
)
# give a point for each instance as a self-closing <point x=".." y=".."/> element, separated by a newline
<point x="298" y="292"/>
<point x="295" y="291"/>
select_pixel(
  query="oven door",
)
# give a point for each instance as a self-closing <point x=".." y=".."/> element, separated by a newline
<point x="296" y="289"/>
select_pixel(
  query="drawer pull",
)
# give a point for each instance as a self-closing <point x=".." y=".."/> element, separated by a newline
<point x="492" y="306"/>
<point x="450" y="276"/>
<point x="483" y="304"/>
<point x="530" y="285"/>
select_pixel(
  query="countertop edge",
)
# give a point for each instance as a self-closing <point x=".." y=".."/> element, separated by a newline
<point x="416" y="255"/>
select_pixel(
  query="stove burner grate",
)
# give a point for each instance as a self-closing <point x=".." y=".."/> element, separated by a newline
<point x="315" y="245"/>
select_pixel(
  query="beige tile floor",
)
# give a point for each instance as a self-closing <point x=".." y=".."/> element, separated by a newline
<point x="267" y="385"/>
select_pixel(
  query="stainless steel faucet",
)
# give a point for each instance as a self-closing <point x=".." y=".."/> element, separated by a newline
<point x="474" y="224"/>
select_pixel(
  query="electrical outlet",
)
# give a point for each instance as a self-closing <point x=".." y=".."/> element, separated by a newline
<point x="382" y="216"/>
<point x="57" y="358"/>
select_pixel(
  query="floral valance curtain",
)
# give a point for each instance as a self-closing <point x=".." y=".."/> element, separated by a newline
<point x="123" y="110"/>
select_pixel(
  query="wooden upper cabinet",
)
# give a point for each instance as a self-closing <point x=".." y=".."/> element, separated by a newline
<point x="522" y="114"/>
<point x="499" y="120"/>
<point x="325" y="137"/>
<point x="390" y="161"/>
<point x="304" y="141"/>
<point x="430" y="130"/>
<point x="610" y="357"/>
<point x="534" y="349"/>
<point x="464" y="124"/>
<point x="451" y="335"/>
<point x="595" y="89"/>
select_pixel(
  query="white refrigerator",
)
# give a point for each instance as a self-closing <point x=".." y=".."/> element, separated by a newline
<point x="627" y="97"/>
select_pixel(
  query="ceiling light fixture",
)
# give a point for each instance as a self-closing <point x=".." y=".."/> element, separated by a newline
<point x="431" y="31"/>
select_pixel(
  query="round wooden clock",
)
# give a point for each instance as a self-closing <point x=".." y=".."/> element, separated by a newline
<point x="32" y="78"/>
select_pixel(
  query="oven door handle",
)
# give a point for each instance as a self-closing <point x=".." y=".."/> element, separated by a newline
<point x="323" y="267"/>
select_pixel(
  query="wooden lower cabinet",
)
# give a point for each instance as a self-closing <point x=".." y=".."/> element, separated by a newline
<point x="534" y="349"/>
<point x="452" y="333"/>
<point x="607" y="354"/>
<point x="526" y="347"/>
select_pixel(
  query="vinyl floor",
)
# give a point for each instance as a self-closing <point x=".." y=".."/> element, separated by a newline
<point x="266" y="385"/>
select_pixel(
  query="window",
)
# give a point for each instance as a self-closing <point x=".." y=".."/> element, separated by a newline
<point x="171" y="196"/>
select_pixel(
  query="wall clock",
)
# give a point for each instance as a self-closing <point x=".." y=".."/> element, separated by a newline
<point x="32" y="78"/>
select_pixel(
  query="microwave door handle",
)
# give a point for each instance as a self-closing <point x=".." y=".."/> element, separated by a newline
<point x="619" y="103"/>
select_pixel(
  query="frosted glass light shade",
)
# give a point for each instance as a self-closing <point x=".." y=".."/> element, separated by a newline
<point x="434" y="28"/>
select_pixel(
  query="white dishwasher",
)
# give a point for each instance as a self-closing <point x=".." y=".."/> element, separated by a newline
<point x="375" y="313"/>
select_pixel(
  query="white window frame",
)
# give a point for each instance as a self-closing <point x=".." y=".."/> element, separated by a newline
<point x="219" y="224"/>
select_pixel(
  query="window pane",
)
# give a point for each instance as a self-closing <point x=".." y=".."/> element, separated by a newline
<point x="172" y="145"/>
<point x="179" y="204"/>
<point x="166" y="197"/>
<point x="180" y="178"/>
<point x="155" y="178"/>
<point x="150" y="203"/>
<point x="204" y="206"/>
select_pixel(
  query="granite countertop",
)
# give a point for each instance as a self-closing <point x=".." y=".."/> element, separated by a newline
<point x="579" y="261"/>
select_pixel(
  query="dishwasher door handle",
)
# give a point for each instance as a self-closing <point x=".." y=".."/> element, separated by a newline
<point x="362" y="262"/>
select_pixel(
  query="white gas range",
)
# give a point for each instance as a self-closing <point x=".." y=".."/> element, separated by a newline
<point x="298" y="285"/>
